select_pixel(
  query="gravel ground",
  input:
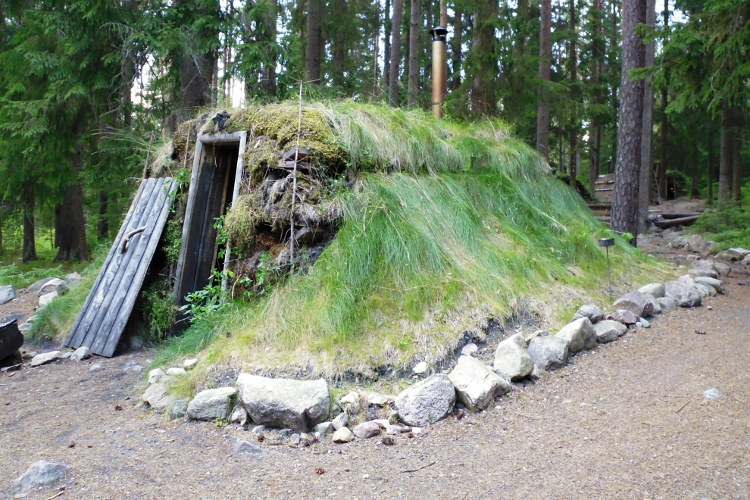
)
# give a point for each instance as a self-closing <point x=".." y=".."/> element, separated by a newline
<point x="627" y="420"/>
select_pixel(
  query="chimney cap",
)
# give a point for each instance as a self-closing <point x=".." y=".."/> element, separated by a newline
<point x="438" y="32"/>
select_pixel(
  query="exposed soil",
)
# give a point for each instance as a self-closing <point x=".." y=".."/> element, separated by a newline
<point x="627" y="420"/>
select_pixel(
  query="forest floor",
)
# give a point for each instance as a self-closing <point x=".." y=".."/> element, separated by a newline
<point x="627" y="420"/>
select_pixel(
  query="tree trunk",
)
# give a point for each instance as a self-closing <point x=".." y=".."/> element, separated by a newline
<point x="456" y="42"/>
<point x="726" y="162"/>
<point x="596" y="121"/>
<point x="545" y="61"/>
<point x="630" y="122"/>
<point x="269" y="68"/>
<point x="102" y="225"/>
<point x="29" y="238"/>
<point x="314" y="49"/>
<point x="70" y="224"/>
<point x="663" y="164"/>
<point x="573" y="68"/>
<point x="646" y="180"/>
<point x="711" y="162"/>
<point x="339" y="45"/>
<point x="387" y="44"/>
<point x="398" y="12"/>
<point x="737" y="165"/>
<point x="483" y="96"/>
<point x="414" y="29"/>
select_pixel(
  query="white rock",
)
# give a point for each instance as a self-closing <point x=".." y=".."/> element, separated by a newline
<point x="238" y="416"/>
<point x="155" y="375"/>
<point x="95" y="367"/>
<point x="176" y="372"/>
<point x="54" y="285"/>
<point x="683" y="292"/>
<point x="340" y="421"/>
<point x="45" y="299"/>
<point x="80" y="354"/>
<point x="635" y="302"/>
<point x="469" y="349"/>
<point x="420" y="368"/>
<point x="211" y="404"/>
<point x="512" y="359"/>
<point x="158" y="396"/>
<point x="589" y="311"/>
<point x="712" y="393"/>
<point x="297" y="404"/>
<point x="428" y="401"/>
<point x="477" y="385"/>
<point x="580" y="333"/>
<point x="350" y="398"/>
<point x="668" y="303"/>
<point x="189" y="363"/>
<point x="705" y="290"/>
<point x="343" y="435"/>
<point x="46" y="357"/>
<point x="375" y="398"/>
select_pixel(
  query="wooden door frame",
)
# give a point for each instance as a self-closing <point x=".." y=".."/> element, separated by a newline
<point x="235" y="138"/>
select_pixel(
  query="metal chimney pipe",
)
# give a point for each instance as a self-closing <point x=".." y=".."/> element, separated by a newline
<point x="439" y="70"/>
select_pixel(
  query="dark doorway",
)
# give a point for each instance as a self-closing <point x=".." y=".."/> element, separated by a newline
<point x="211" y="192"/>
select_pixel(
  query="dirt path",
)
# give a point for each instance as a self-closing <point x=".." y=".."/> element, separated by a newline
<point x="624" y="421"/>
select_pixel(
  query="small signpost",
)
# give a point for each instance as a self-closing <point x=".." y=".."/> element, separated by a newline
<point x="606" y="243"/>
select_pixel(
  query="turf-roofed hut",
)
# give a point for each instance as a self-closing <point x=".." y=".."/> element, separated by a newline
<point x="358" y="238"/>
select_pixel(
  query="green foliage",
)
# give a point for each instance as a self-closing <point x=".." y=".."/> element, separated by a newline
<point x="159" y="309"/>
<point x="13" y="274"/>
<point x="204" y="304"/>
<point x="729" y="227"/>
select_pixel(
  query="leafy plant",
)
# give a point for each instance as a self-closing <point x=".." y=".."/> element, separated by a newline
<point x="159" y="309"/>
<point x="205" y="303"/>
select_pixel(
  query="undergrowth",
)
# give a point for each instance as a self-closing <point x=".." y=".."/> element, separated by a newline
<point x="729" y="227"/>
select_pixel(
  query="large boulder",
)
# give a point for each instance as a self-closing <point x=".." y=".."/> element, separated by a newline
<point x="717" y="285"/>
<point x="735" y="254"/>
<point x="549" y="353"/>
<point x="36" y="286"/>
<point x="11" y="339"/>
<point x="608" y="330"/>
<point x="702" y="271"/>
<point x="512" y="359"/>
<point x="427" y="401"/>
<point x="655" y="289"/>
<point x="7" y="293"/>
<point x="53" y="285"/>
<point x="698" y="244"/>
<point x="705" y="290"/>
<point x="623" y="316"/>
<point x="45" y="299"/>
<point x="684" y="293"/>
<point x="744" y="262"/>
<point x="212" y="404"/>
<point x="476" y="384"/>
<point x="668" y="303"/>
<point x="284" y="403"/>
<point x="635" y="302"/>
<point x="580" y="334"/>
<point x="589" y="311"/>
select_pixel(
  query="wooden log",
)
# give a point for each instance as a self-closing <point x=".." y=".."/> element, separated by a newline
<point x="684" y="221"/>
<point x="678" y="216"/>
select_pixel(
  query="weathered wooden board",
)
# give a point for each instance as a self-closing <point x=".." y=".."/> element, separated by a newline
<point x="107" y="308"/>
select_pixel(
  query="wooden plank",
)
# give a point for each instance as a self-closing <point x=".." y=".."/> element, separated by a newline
<point x="198" y="158"/>
<point x="678" y="216"/>
<point x="77" y="333"/>
<point x="149" y="243"/>
<point x="117" y="270"/>
<point x="127" y="278"/>
<point x="238" y="173"/>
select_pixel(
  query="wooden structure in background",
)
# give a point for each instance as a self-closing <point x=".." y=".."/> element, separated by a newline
<point x="107" y="308"/>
